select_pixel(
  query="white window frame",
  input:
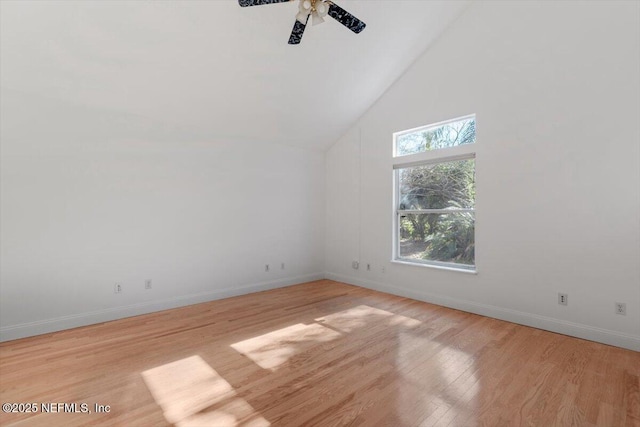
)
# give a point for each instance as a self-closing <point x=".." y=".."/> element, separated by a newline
<point x="442" y="155"/>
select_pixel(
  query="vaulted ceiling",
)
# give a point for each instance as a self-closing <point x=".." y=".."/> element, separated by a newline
<point x="220" y="71"/>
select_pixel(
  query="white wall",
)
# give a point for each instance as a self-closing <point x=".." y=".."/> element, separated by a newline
<point x="556" y="90"/>
<point x="93" y="197"/>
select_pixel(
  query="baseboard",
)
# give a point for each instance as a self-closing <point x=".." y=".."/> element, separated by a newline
<point x="577" y="330"/>
<point x="24" y="330"/>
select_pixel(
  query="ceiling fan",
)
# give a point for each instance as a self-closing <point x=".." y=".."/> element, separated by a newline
<point x="317" y="9"/>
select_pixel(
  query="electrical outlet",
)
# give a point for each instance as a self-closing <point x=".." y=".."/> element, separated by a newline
<point x="266" y="267"/>
<point x="117" y="288"/>
<point x="282" y="266"/>
<point x="621" y="308"/>
<point x="368" y="267"/>
<point x="384" y="270"/>
<point x="355" y="265"/>
<point x="563" y="299"/>
<point x="147" y="284"/>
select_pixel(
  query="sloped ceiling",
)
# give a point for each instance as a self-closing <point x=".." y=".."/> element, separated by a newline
<point x="212" y="68"/>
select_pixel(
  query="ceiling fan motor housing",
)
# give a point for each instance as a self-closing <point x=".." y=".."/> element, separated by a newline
<point x="318" y="9"/>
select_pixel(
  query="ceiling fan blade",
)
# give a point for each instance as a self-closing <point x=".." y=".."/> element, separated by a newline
<point x="298" y="31"/>
<point x="245" y="3"/>
<point x="345" y="18"/>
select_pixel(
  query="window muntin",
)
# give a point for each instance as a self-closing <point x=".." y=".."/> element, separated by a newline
<point x="435" y="195"/>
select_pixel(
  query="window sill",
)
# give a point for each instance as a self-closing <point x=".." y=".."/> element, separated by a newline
<point x="437" y="267"/>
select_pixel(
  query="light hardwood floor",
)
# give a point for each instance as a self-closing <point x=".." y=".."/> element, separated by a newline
<point x="321" y="353"/>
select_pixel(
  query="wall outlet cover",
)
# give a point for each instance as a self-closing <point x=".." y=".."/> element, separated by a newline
<point x="563" y="299"/>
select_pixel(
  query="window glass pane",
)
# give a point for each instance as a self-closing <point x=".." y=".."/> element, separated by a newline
<point x="438" y="186"/>
<point x="436" y="137"/>
<point x="438" y="237"/>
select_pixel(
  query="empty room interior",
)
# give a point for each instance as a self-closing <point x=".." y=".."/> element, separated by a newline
<point x="322" y="213"/>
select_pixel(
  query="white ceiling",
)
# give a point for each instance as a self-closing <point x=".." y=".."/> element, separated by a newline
<point x="219" y="70"/>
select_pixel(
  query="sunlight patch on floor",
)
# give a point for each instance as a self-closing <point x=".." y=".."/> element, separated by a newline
<point x="363" y="315"/>
<point x="441" y="365"/>
<point x="457" y="368"/>
<point x="192" y="393"/>
<point x="269" y="351"/>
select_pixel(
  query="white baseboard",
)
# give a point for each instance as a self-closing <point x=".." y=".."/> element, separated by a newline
<point x="578" y="330"/>
<point x="24" y="330"/>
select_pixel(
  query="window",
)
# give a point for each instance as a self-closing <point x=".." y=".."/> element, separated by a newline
<point x="435" y="192"/>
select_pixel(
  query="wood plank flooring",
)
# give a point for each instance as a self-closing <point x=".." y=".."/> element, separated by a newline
<point x="320" y="353"/>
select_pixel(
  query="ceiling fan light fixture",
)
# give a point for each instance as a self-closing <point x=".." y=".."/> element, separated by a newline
<point x="321" y="8"/>
<point x="316" y="19"/>
<point x="302" y="17"/>
<point x="304" y="10"/>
